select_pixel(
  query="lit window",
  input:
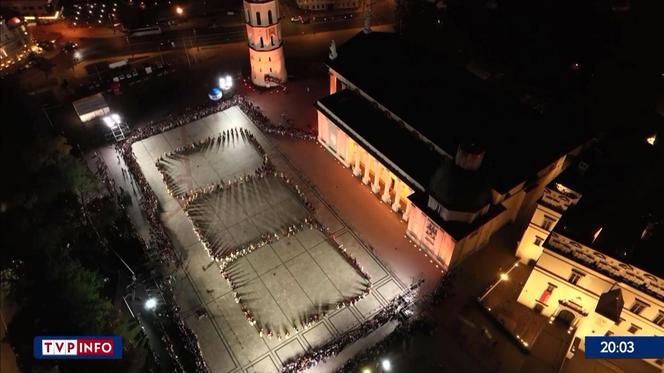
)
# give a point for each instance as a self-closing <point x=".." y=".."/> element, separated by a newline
<point x="659" y="319"/>
<point x="547" y="293"/>
<point x="547" y="223"/>
<point x="575" y="277"/>
<point x="538" y="241"/>
<point x="633" y="329"/>
<point x="638" y="306"/>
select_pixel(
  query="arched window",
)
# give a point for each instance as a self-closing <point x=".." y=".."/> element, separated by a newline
<point x="262" y="45"/>
<point x="269" y="17"/>
<point x="258" y="18"/>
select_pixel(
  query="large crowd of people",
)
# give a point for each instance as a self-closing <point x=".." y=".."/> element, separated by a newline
<point x="405" y="331"/>
<point x="313" y="357"/>
<point x="148" y="201"/>
<point x="223" y="138"/>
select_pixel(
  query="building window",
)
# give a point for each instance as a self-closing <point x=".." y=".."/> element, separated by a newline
<point x="659" y="319"/>
<point x="269" y="59"/>
<point x="547" y="223"/>
<point x="269" y="17"/>
<point x="620" y="321"/>
<point x="608" y="333"/>
<point x="633" y="329"/>
<point x="575" y="277"/>
<point x="262" y="45"/>
<point x="547" y="293"/>
<point x="258" y="18"/>
<point x="638" y="306"/>
<point x="430" y="232"/>
<point x="538" y="241"/>
<point x="272" y="39"/>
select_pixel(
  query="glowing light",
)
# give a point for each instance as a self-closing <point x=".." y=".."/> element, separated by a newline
<point x="386" y="364"/>
<point x="112" y="120"/>
<point x="596" y="234"/>
<point x="151" y="304"/>
<point x="366" y="370"/>
<point x="226" y="82"/>
<point x="179" y="10"/>
<point x="651" y="140"/>
<point x="504" y="277"/>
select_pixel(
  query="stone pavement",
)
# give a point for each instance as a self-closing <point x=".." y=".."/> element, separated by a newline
<point x="228" y="342"/>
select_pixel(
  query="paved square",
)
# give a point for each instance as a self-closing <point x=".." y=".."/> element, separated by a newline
<point x="311" y="283"/>
<point x="237" y="215"/>
<point x="281" y="281"/>
<point x="218" y="160"/>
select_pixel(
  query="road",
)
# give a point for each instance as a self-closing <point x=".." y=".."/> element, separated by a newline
<point x="104" y="43"/>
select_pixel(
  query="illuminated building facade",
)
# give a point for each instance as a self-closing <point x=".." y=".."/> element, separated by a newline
<point x="14" y="41"/>
<point x="453" y="157"/>
<point x="266" y="47"/>
<point x="43" y="11"/>
<point x="595" y="246"/>
<point x="328" y="4"/>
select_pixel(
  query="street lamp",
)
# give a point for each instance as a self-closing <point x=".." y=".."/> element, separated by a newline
<point x="504" y="277"/>
<point x="386" y="365"/>
<point x="226" y="83"/>
<point x="151" y="304"/>
<point x="179" y="11"/>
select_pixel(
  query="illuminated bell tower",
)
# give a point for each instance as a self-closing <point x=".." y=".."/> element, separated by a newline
<point x="266" y="48"/>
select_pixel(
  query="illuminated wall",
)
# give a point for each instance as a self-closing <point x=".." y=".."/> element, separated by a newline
<point x="385" y="184"/>
<point x="266" y="52"/>
<point x="558" y="283"/>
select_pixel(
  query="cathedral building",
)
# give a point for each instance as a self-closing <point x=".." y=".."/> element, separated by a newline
<point x="452" y="154"/>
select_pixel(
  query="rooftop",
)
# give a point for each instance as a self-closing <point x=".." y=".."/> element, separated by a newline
<point x="360" y="118"/>
<point x="621" y="195"/>
<point x="449" y="105"/>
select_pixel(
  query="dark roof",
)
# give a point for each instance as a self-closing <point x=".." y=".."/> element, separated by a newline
<point x="459" y="189"/>
<point x="622" y="194"/>
<point x="449" y="105"/>
<point x="458" y="230"/>
<point x="610" y="304"/>
<point x="361" y="118"/>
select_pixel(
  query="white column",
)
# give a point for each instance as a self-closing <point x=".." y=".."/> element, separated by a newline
<point x="388" y="185"/>
<point x="406" y="213"/>
<point x="398" y="187"/>
<point x="375" y="188"/>
<point x="356" y="169"/>
<point x="367" y="166"/>
<point x="347" y="151"/>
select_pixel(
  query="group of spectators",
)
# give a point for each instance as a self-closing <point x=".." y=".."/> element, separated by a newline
<point x="315" y="356"/>
<point x="404" y="332"/>
<point x="227" y="136"/>
<point x="150" y="206"/>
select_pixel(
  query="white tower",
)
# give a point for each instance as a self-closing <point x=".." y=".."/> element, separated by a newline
<point x="266" y="50"/>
